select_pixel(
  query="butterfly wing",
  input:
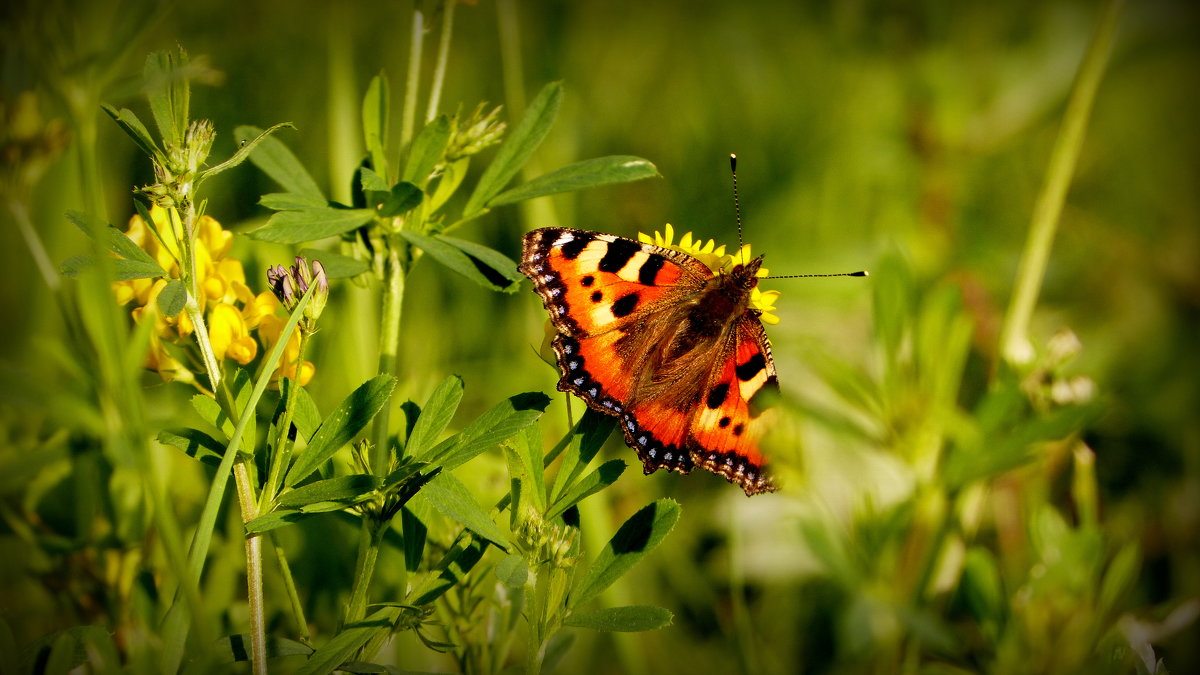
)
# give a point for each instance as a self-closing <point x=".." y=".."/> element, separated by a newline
<point x="725" y="430"/>
<point x="613" y="301"/>
<point x="592" y="283"/>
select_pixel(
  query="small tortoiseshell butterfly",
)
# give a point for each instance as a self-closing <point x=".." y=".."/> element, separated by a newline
<point x="655" y="337"/>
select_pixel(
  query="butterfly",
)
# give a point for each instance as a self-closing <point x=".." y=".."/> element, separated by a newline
<point x="654" y="337"/>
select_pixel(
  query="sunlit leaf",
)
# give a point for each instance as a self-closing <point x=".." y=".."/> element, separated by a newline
<point x="517" y="148"/>
<point x="581" y="175"/>
<point x="644" y="531"/>
<point x="342" y="425"/>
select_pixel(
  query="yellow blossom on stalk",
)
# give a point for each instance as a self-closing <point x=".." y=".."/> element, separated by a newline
<point x="715" y="257"/>
<point x="232" y="311"/>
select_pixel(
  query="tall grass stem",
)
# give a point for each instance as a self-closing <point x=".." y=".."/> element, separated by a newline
<point x="1015" y="344"/>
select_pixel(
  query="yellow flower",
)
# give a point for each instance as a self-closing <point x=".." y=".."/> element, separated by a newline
<point x="714" y="256"/>
<point x="232" y="311"/>
<point x="229" y="335"/>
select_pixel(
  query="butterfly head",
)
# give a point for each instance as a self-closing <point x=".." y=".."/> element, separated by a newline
<point x="744" y="277"/>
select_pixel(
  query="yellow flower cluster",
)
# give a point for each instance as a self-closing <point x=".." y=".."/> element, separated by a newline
<point x="231" y="310"/>
<point x="718" y="261"/>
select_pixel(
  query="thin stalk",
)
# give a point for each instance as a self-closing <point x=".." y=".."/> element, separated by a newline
<point x="389" y="348"/>
<point x="443" y="57"/>
<point x="254" y="578"/>
<point x="1014" y="335"/>
<point x="190" y="278"/>
<point x="289" y="583"/>
<point x="409" y="120"/>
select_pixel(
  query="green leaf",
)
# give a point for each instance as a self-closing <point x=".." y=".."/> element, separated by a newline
<point x="277" y="519"/>
<point x="342" y="647"/>
<point x="243" y="390"/>
<point x="427" y="151"/>
<point x="454" y="565"/>
<point x="602" y="477"/>
<point x="452" y="499"/>
<point x="371" y="181"/>
<point x="402" y="198"/>
<point x="517" y="148"/>
<point x="487" y="257"/>
<point x="133" y="126"/>
<point x="628" y="619"/>
<point x="310" y="224"/>
<point x="456" y="259"/>
<point x="287" y="201"/>
<point x="586" y="440"/>
<point x="305" y="416"/>
<point x="489" y="429"/>
<point x="350" y="489"/>
<point x="375" y="122"/>
<point x="578" y="176"/>
<point x="337" y="266"/>
<point x="244" y="149"/>
<point x="169" y="93"/>
<point x="195" y="443"/>
<point x="172" y="298"/>
<point x="513" y="571"/>
<point x="210" y="411"/>
<point x="342" y="425"/>
<point x="638" y="536"/>
<point x="527" y="443"/>
<point x="113" y="239"/>
<point x="438" y="411"/>
<point x="448" y="182"/>
<point x="123" y="270"/>
<point x="233" y="648"/>
<point x="414" y="534"/>
<point x="278" y="162"/>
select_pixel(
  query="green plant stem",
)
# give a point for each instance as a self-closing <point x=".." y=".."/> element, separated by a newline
<point x="370" y="538"/>
<point x="1014" y="336"/>
<point x="443" y="58"/>
<point x="389" y="348"/>
<point x="190" y="278"/>
<point x="409" y="119"/>
<point x="254" y="578"/>
<point x="289" y="583"/>
<point x="175" y="624"/>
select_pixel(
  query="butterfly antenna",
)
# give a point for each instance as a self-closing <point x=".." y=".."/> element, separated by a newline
<point x="737" y="208"/>
<point x="860" y="273"/>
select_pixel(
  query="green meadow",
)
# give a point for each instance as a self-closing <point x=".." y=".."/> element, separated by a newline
<point x="274" y="396"/>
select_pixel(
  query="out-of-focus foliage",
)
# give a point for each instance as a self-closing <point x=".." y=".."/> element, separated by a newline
<point x="941" y="511"/>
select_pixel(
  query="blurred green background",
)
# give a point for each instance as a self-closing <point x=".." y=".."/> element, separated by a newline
<point x="907" y="138"/>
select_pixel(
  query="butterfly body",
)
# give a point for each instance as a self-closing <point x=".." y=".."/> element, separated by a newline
<point x="652" y="336"/>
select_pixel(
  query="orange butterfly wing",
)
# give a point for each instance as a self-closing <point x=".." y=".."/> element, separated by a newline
<point x="726" y="429"/>
<point x="617" y="304"/>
